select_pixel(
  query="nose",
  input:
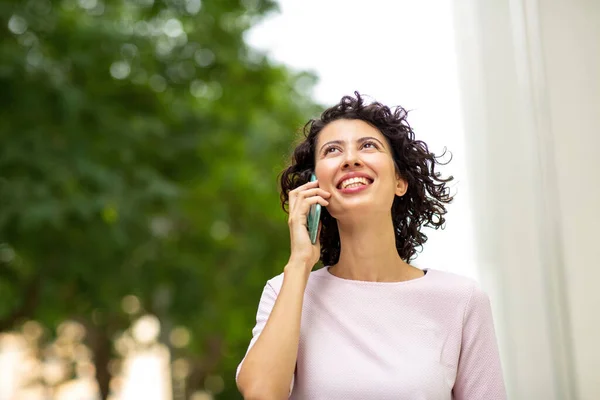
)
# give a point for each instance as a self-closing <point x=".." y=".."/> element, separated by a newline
<point x="352" y="160"/>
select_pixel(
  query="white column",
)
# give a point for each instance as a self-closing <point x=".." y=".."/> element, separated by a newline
<point x="529" y="75"/>
<point x="571" y="48"/>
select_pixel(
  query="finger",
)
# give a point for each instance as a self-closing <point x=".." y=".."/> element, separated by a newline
<point x="307" y="194"/>
<point x="314" y="192"/>
<point x="307" y="185"/>
<point x="293" y="194"/>
<point x="300" y="211"/>
<point x="304" y="206"/>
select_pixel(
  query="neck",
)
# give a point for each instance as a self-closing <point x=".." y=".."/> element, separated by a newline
<point x="368" y="252"/>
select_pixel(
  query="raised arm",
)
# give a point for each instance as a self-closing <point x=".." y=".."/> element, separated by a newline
<point x="267" y="371"/>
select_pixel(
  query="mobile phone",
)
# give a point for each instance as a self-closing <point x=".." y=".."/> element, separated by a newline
<point x="314" y="215"/>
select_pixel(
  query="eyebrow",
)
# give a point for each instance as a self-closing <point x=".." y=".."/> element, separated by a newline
<point x="359" y="141"/>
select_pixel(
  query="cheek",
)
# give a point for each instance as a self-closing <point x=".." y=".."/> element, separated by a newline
<point x="386" y="173"/>
<point x="325" y="171"/>
<point x="382" y="165"/>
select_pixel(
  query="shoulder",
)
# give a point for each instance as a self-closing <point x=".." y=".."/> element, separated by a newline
<point x="276" y="282"/>
<point x="455" y="285"/>
<point x="463" y="292"/>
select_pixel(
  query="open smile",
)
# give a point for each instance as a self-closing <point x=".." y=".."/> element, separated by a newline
<point x="354" y="185"/>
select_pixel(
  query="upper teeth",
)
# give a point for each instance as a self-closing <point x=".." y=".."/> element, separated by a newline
<point x="347" y="182"/>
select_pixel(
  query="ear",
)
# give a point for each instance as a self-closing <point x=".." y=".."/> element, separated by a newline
<point x="401" y="186"/>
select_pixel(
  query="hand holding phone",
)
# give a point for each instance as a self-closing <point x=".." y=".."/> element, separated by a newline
<point x="314" y="216"/>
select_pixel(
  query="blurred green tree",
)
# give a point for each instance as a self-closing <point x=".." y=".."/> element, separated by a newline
<point x="139" y="145"/>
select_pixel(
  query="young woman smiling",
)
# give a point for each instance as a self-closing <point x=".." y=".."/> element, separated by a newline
<point x="368" y="325"/>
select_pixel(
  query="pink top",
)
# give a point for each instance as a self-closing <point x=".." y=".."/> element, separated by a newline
<point x="430" y="338"/>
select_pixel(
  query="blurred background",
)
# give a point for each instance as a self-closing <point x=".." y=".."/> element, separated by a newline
<point x="140" y="141"/>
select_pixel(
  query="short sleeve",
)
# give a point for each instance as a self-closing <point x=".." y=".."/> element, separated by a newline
<point x="479" y="374"/>
<point x="267" y="301"/>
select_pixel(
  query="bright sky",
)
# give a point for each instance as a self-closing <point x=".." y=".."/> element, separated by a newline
<point x="398" y="52"/>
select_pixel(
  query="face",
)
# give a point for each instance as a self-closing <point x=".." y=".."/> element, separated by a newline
<point x="354" y="163"/>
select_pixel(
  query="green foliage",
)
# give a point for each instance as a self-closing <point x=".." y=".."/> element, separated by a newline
<point x="139" y="147"/>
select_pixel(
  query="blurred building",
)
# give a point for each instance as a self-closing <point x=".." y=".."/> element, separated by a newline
<point x="63" y="368"/>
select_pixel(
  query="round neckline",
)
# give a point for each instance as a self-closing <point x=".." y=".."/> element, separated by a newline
<point x="327" y="273"/>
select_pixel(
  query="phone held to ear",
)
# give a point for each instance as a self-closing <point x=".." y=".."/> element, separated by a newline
<point x="314" y="216"/>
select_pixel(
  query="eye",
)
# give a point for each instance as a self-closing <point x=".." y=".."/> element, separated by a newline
<point x="329" y="150"/>
<point x="370" y="143"/>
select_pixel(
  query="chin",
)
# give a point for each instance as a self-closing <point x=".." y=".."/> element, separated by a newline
<point x="357" y="209"/>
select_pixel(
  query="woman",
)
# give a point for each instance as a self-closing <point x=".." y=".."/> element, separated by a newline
<point x="368" y="325"/>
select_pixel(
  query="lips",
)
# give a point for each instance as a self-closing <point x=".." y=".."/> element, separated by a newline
<point x="352" y="182"/>
<point x="352" y="189"/>
<point x="352" y="175"/>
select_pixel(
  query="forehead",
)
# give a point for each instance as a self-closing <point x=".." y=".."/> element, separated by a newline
<point x="347" y="130"/>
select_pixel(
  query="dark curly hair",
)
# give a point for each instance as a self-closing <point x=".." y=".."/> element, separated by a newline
<point x="422" y="205"/>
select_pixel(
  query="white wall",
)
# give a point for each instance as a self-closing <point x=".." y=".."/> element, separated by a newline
<point x="530" y="82"/>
